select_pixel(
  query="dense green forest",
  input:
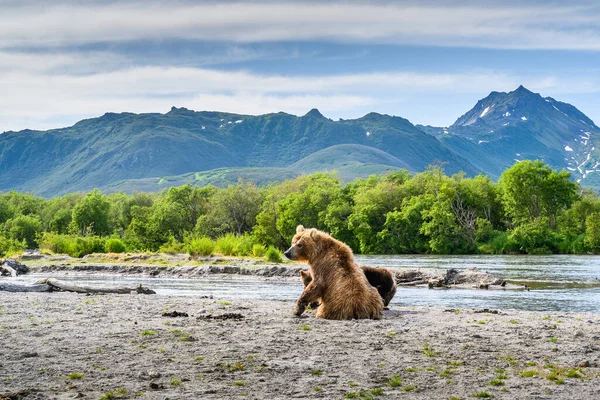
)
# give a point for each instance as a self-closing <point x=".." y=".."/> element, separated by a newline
<point x="532" y="209"/>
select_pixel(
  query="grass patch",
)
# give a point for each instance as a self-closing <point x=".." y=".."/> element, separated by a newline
<point x="304" y="328"/>
<point x="529" y="373"/>
<point x="409" y="388"/>
<point x="447" y="372"/>
<point x="175" y="382"/>
<point x="395" y="381"/>
<point x="316" y="372"/>
<point x="496" y="382"/>
<point x="239" y="383"/>
<point x="482" y="395"/>
<point x="75" y="375"/>
<point x="120" y="393"/>
<point x="428" y="351"/>
<point x="553" y="340"/>
<point x="148" y="333"/>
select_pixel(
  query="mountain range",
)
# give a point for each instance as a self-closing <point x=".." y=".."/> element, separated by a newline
<point x="148" y="152"/>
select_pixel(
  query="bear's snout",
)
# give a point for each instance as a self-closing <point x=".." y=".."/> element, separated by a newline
<point x="288" y="253"/>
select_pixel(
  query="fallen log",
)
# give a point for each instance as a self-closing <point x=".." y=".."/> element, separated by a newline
<point x="8" y="270"/>
<point x="74" y="287"/>
<point x="15" y="287"/>
<point x="52" y="285"/>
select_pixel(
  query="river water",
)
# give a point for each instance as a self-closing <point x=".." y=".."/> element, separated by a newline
<point x="558" y="283"/>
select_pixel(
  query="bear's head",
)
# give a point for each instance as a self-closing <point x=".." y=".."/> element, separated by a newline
<point x="306" y="244"/>
<point x="306" y="277"/>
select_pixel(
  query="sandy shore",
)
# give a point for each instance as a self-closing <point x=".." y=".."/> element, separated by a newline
<point x="65" y="345"/>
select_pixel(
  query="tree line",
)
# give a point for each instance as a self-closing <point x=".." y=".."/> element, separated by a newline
<point x="532" y="209"/>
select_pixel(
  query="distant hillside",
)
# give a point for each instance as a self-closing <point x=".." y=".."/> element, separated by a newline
<point x="101" y="152"/>
<point x="152" y="151"/>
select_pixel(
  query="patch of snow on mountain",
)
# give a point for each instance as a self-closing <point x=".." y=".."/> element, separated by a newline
<point x="518" y="154"/>
<point x="505" y="124"/>
<point x="482" y="141"/>
<point x="239" y="121"/>
<point x="487" y="109"/>
<point x="368" y="133"/>
<point x="524" y="118"/>
<point x="507" y="114"/>
<point x="203" y="127"/>
<point x="567" y="148"/>
<point x="571" y="169"/>
<point x="229" y="122"/>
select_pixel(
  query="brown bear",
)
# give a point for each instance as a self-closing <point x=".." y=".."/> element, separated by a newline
<point x="338" y="283"/>
<point x="381" y="279"/>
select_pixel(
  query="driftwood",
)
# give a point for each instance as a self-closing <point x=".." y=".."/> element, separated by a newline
<point x="16" y="287"/>
<point x="8" y="270"/>
<point x="51" y="284"/>
<point x="12" y="267"/>
<point x="74" y="287"/>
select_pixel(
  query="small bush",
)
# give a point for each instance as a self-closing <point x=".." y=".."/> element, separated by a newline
<point x="11" y="246"/>
<point x="114" y="245"/>
<point x="259" y="250"/>
<point x="244" y="245"/>
<point x="72" y="245"/>
<point x="273" y="255"/>
<point x="172" y="246"/>
<point x="202" y="246"/>
<point x="88" y="245"/>
<point x="227" y="245"/>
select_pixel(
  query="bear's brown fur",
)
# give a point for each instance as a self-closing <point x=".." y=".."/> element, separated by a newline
<point x="381" y="279"/>
<point x="338" y="283"/>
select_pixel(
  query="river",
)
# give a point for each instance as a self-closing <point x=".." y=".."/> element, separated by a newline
<point x="558" y="283"/>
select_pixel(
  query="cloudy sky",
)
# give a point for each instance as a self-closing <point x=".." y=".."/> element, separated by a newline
<point x="62" y="61"/>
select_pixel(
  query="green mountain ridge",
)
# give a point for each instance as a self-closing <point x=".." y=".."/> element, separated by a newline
<point x="100" y="152"/>
<point x="127" y="151"/>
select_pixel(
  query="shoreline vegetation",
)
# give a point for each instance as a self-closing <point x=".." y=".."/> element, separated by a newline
<point x="532" y="209"/>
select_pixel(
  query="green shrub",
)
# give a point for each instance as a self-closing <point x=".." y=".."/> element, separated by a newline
<point x="88" y="245"/>
<point x="114" y="245"/>
<point x="24" y="227"/>
<point x="11" y="246"/>
<point x="58" y="244"/>
<point x="172" y="246"/>
<point x="244" y="245"/>
<point x="227" y="245"/>
<point x="71" y="245"/>
<point x="273" y="255"/>
<point x="259" y="250"/>
<point x="202" y="246"/>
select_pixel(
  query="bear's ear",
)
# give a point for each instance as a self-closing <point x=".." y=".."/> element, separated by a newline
<point x="299" y="229"/>
<point x="302" y="273"/>
<point x="313" y="233"/>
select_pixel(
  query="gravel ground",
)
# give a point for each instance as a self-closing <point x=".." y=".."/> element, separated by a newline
<point x="65" y="345"/>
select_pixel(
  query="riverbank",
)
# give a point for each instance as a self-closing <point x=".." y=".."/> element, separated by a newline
<point x="183" y="266"/>
<point x="65" y="345"/>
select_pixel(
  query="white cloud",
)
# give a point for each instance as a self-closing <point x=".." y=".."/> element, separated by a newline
<point x="40" y="97"/>
<point x="537" y="26"/>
